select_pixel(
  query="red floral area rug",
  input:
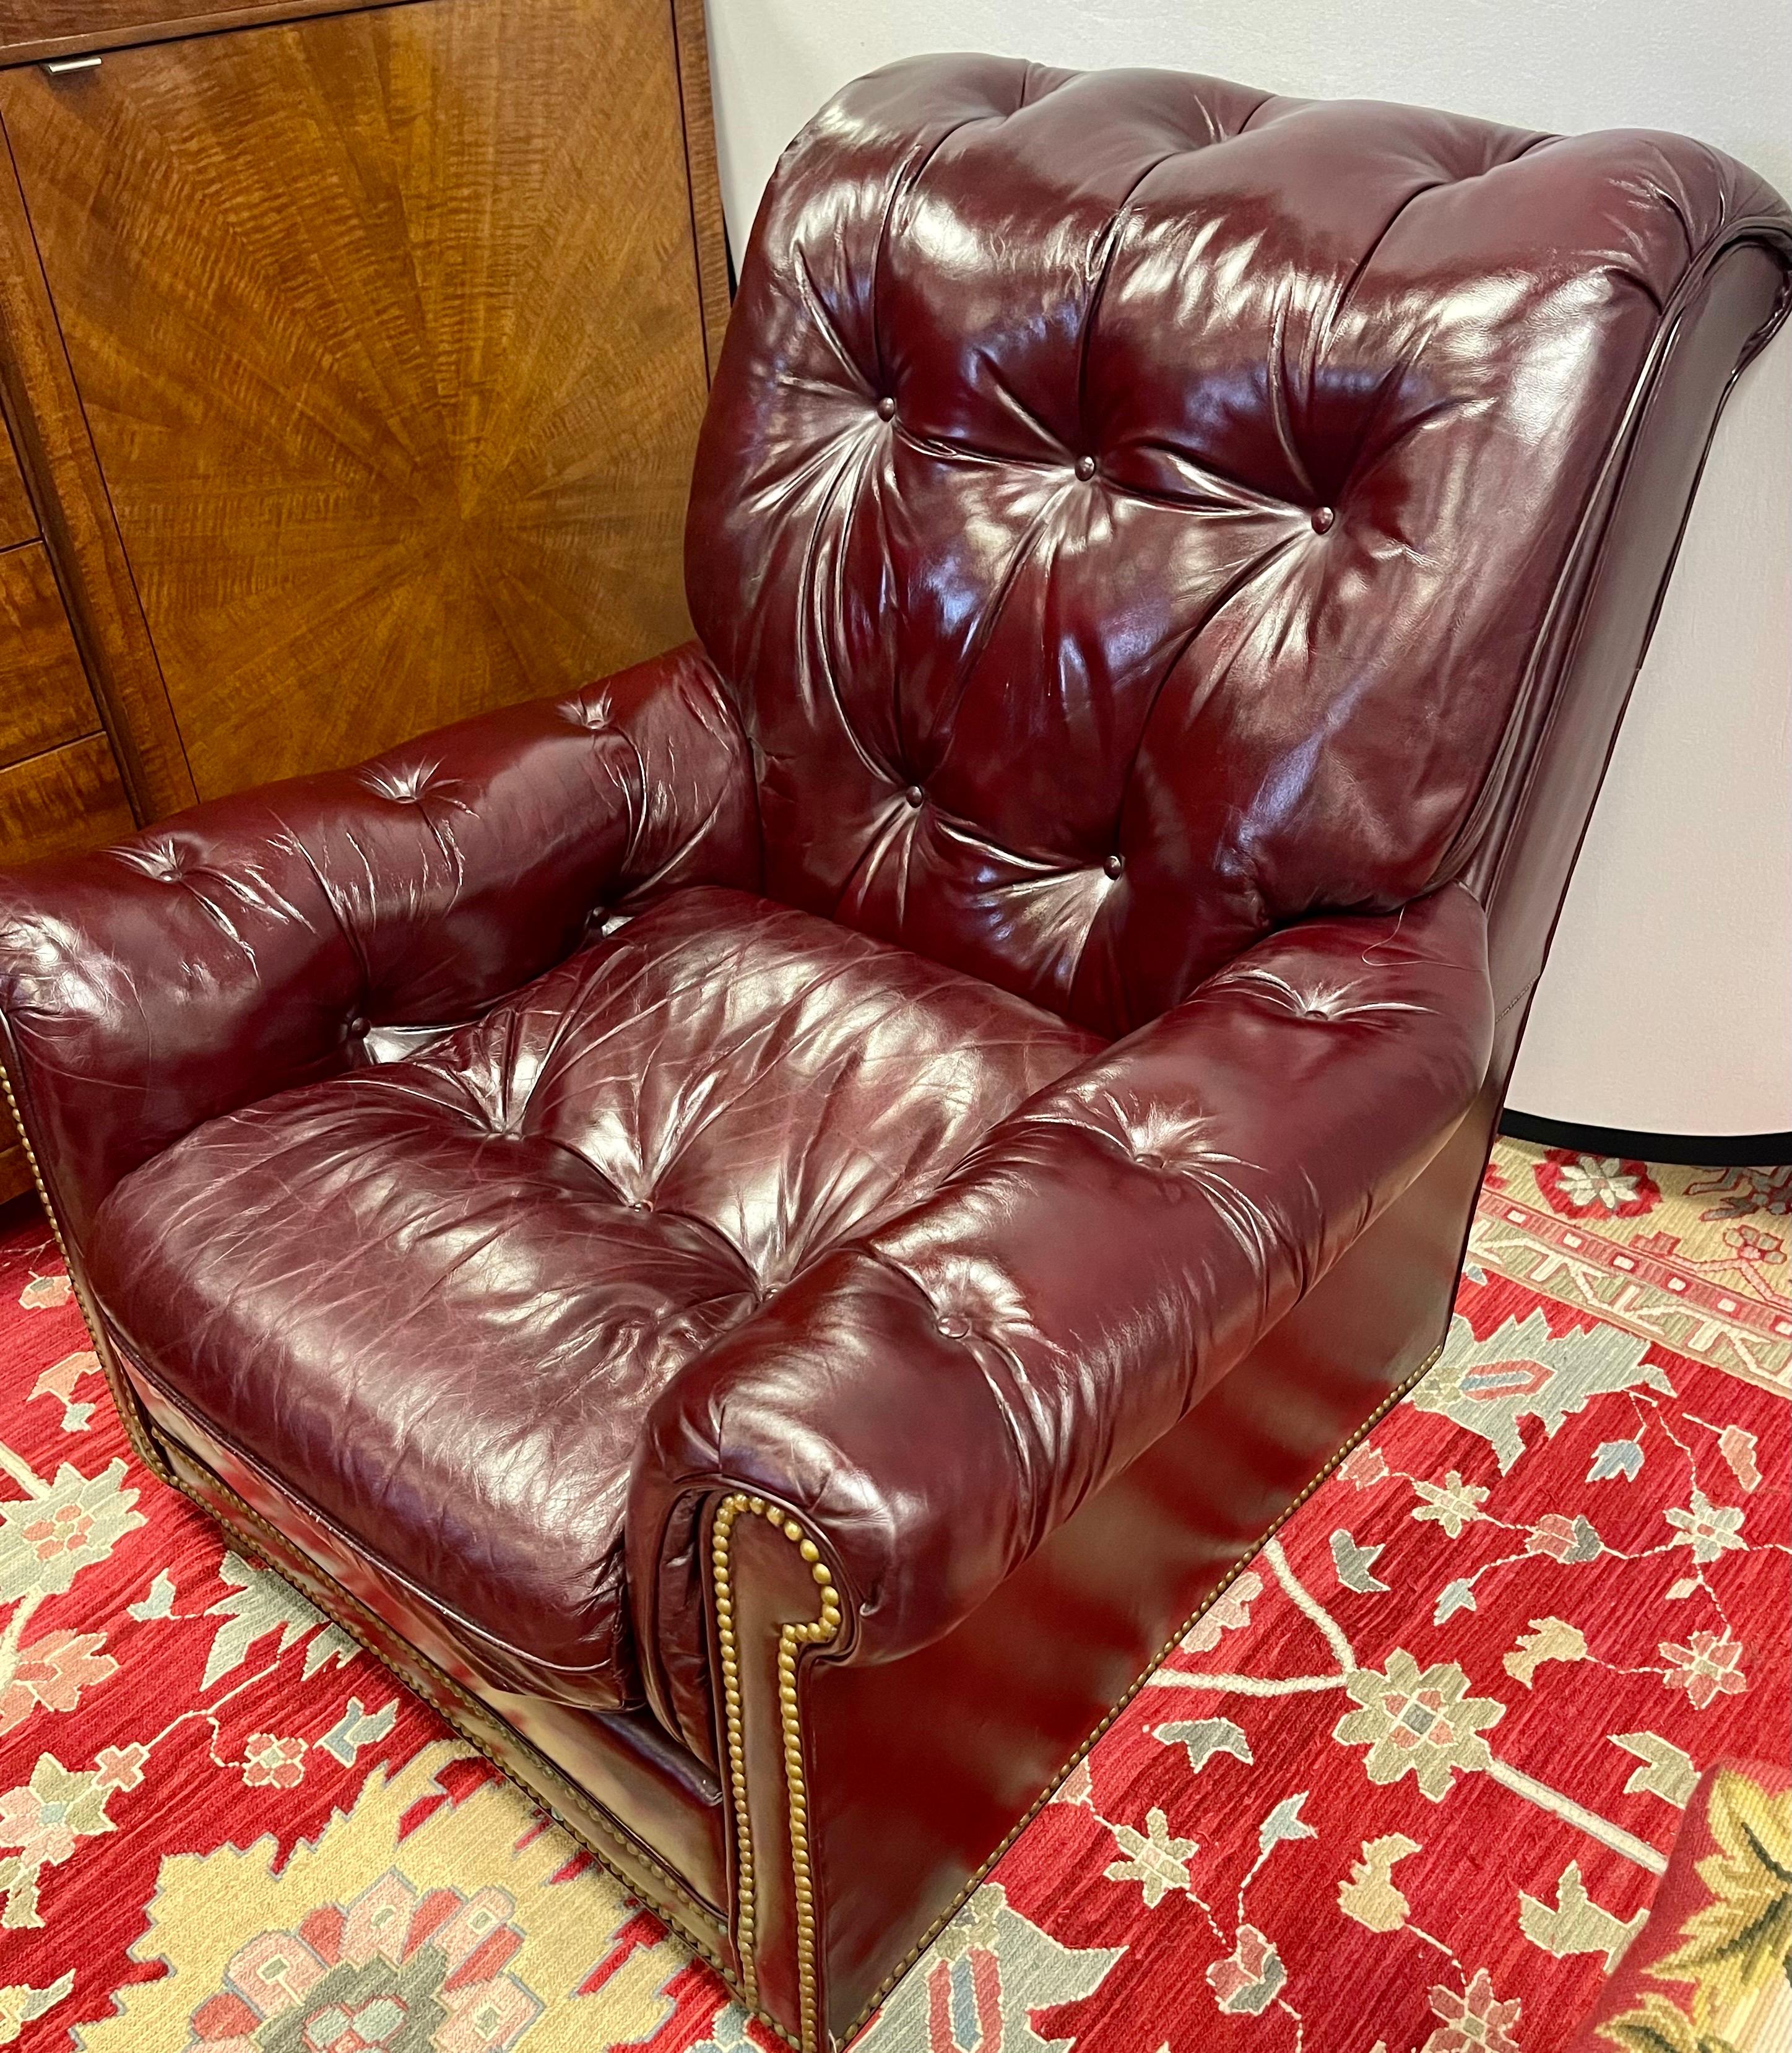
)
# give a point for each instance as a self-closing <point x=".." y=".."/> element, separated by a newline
<point x="1411" y="1786"/>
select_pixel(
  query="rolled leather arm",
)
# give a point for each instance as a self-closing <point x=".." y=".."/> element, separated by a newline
<point x="934" y="1399"/>
<point x="251" y="944"/>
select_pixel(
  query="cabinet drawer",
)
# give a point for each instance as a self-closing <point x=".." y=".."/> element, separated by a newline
<point x="44" y="696"/>
<point x="62" y="802"/>
<point x="19" y="519"/>
<point x="53" y="28"/>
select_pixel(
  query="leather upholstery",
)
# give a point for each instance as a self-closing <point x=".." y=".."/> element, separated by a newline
<point x="1049" y="1654"/>
<point x="523" y="1234"/>
<point x="254" y="943"/>
<point x="1000" y="1349"/>
<point x="1170" y="562"/>
<point x="1252" y="433"/>
<point x="614" y="1776"/>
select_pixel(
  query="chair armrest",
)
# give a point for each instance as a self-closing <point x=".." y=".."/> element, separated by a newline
<point x="933" y="1400"/>
<point x="250" y="943"/>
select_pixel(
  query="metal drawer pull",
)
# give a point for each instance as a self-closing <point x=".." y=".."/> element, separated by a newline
<point x="56" y="66"/>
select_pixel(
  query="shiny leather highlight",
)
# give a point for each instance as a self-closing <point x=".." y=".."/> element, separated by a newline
<point x="251" y="944"/>
<point x="987" y="1061"/>
<point x="1253" y="433"/>
<point x="528" y="1231"/>
<point x="1000" y="1350"/>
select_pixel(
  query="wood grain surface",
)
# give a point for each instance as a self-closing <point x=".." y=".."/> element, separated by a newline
<point x="62" y="802"/>
<point x="55" y="455"/>
<point x="387" y="331"/>
<point x="44" y="698"/>
<point x="709" y="226"/>
<point x="18" y="518"/>
<point x="36" y="29"/>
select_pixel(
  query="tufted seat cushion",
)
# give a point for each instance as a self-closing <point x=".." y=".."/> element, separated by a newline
<point x="435" y="1299"/>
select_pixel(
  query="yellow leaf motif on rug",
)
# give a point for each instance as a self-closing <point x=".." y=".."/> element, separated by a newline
<point x="457" y="1932"/>
<point x="1370" y="1896"/>
<point x="1737" y="1950"/>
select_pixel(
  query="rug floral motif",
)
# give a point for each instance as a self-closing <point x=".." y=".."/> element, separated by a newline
<point x="1411" y="1785"/>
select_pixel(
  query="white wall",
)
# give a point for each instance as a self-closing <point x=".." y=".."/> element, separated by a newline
<point x="1668" y="1002"/>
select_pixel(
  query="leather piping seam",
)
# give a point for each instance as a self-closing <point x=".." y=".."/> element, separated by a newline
<point x="1170" y="1646"/>
<point x="130" y="1415"/>
<point x="792" y="1636"/>
<point x="441" y="1704"/>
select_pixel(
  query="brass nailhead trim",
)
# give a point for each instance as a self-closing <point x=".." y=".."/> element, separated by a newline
<point x="792" y="1637"/>
<point x="444" y="1699"/>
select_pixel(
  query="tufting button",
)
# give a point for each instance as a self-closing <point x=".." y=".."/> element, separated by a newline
<point x="1085" y="468"/>
<point x="1147" y="1160"/>
<point x="913" y="795"/>
<point x="640" y="1205"/>
<point x="886" y="408"/>
<point x="1114" y="865"/>
<point x="357" y="1026"/>
<point x="1322" y="518"/>
<point x="953" y="1326"/>
<point x="593" y="715"/>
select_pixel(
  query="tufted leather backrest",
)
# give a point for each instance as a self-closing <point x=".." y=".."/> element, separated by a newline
<point x="1132" y="507"/>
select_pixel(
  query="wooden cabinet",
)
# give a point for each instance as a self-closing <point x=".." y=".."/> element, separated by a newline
<point x="354" y="357"/>
<point x="59" y="785"/>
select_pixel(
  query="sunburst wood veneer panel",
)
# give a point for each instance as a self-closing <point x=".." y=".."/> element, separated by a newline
<point x="388" y="331"/>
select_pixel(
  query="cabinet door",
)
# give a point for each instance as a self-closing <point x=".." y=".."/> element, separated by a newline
<point x="387" y="329"/>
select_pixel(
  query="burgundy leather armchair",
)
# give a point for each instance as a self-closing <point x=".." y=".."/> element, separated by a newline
<point x="766" y="1232"/>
